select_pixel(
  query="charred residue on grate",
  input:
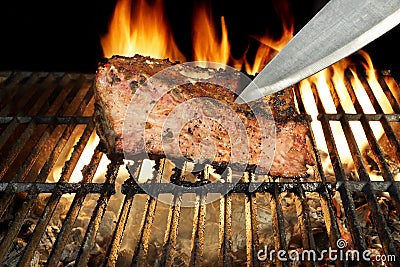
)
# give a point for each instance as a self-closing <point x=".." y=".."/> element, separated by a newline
<point x="113" y="222"/>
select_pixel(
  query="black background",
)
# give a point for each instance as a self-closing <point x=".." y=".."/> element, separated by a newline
<point x="65" y="35"/>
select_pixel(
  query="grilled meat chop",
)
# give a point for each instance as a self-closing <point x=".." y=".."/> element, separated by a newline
<point x="202" y="137"/>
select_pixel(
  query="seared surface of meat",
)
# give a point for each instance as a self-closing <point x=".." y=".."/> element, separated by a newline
<point x="205" y="128"/>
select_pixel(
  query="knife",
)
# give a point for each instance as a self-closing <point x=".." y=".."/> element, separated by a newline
<point x="339" y="29"/>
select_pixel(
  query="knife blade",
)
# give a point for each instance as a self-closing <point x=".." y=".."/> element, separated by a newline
<point x="339" y="29"/>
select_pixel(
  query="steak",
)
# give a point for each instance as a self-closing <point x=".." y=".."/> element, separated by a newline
<point x="206" y="124"/>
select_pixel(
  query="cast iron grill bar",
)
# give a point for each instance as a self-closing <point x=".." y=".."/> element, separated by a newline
<point x="355" y="152"/>
<point x="171" y="233"/>
<point x="345" y="194"/>
<point x="65" y="188"/>
<point x="384" y="121"/>
<point x="141" y="246"/>
<point x="199" y="219"/>
<point x="197" y="240"/>
<point x="27" y="98"/>
<point x="12" y="232"/>
<point x="392" y="100"/>
<point x="99" y="210"/>
<point x="14" y="96"/>
<point x="349" y="207"/>
<point x="303" y="214"/>
<point x="34" y="108"/>
<point x="379" y="221"/>
<point x="11" y="129"/>
<point x="250" y="209"/>
<point x="53" y="200"/>
<point x="278" y="224"/>
<point x="225" y="227"/>
<point x="383" y="231"/>
<point x="58" y="106"/>
<point x="46" y="119"/>
<point x="7" y="197"/>
<point x="73" y="212"/>
<point x="48" y="211"/>
<point x="331" y="225"/>
<point x="69" y="188"/>
<point x="376" y="150"/>
<point x="34" y="154"/>
<point x="143" y="243"/>
<point x="375" y="103"/>
<point x="377" y="215"/>
<point x="325" y="191"/>
<point x="112" y="253"/>
<point x="8" y="83"/>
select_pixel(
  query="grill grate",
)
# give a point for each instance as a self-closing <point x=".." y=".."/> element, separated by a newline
<point x="43" y="115"/>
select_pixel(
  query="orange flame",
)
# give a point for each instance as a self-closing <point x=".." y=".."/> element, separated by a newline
<point x="269" y="46"/>
<point x="333" y="79"/>
<point x="142" y="30"/>
<point x="207" y="45"/>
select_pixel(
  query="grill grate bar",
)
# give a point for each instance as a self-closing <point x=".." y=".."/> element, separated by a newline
<point x="379" y="221"/>
<point x="197" y="240"/>
<point x="64" y="188"/>
<point x="98" y="212"/>
<point x="375" y="148"/>
<point x="392" y="100"/>
<point x="112" y="253"/>
<point x="51" y="204"/>
<point x="34" y="154"/>
<point x="12" y="232"/>
<point x="331" y="224"/>
<point x="349" y="207"/>
<point x="46" y="119"/>
<point x="70" y="89"/>
<point x="142" y="245"/>
<point x="171" y="233"/>
<point x="7" y="198"/>
<point x="278" y="224"/>
<point x="371" y="94"/>
<point x="72" y="214"/>
<point x="357" y="117"/>
<point x="8" y="84"/>
<point x="351" y="216"/>
<point x="225" y="228"/>
<point x="325" y="191"/>
<point x="252" y="239"/>
<point x="303" y="213"/>
<point x="383" y="230"/>
<point x="17" y="98"/>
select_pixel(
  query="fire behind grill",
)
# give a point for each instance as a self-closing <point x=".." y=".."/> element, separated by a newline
<point x="48" y="220"/>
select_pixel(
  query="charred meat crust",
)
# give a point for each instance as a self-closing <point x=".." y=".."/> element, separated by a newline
<point x="118" y="78"/>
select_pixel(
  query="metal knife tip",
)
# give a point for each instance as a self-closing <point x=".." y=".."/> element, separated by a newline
<point x="250" y="93"/>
